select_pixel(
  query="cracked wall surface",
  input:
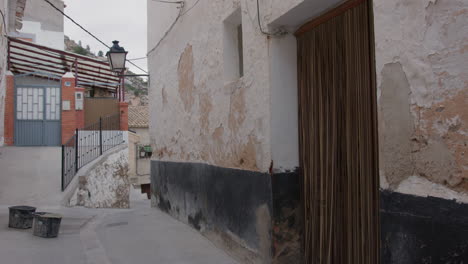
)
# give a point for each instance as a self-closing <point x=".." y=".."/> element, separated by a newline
<point x="197" y="116"/>
<point x="421" y="54"/>
<point x="422" y="74"/>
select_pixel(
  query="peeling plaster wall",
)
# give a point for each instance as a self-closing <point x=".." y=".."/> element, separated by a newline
<point x="195" y="115"/>
<point x="422" y="74"/>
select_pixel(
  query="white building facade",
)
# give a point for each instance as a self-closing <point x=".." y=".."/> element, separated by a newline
<point x="43" y="25"/>
<point x="224" y="119"/>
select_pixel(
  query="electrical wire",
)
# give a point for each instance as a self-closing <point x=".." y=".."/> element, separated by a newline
<point x="142" y="58"/>
<point x="188" y="10"/>
<point x="89" y="33"/>
<point x="76" y="23"/>
<point x="260" y="23"/>
<point x="172" y="25"/>
<point x="136" y="66"/>
<point x="169" y="2"/>
<point x="4" y="22"/>
<point x="165" y="33"/>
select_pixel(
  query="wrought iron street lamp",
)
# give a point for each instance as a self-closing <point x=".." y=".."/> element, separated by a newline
<point x="117" y="57"/>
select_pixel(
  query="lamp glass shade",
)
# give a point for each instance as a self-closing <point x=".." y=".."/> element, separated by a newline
<point x="117" y="60"/>
<point x="117" y="57"/>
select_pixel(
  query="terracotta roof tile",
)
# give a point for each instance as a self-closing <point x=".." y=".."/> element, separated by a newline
<point x="138" y="116"/>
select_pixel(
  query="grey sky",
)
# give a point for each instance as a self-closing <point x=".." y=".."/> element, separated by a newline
<point x="110" y="20"/>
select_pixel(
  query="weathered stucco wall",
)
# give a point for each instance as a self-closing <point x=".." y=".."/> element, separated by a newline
<point x="422" y="74"/>
<point x="195" y="115"/>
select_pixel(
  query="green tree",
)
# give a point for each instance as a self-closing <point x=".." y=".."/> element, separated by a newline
<point x="80" y="50"/>
<point x="100" y="53"/>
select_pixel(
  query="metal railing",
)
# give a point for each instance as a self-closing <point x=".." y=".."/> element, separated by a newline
<point x="88" y="144"/>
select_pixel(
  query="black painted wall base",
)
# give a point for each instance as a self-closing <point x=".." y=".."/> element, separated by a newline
<point x="423" y="230"/>
<point x="287" y="217"/>
<point x="257" y="211"/>
<point x="261" y="213"/>
<point x="225" y="202"/>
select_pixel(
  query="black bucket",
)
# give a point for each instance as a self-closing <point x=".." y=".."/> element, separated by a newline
<point x="46" y="225"/>
<point x="21" y="217"/>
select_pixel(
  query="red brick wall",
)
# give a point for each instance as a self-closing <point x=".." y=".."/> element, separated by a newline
<point x="69" y="124"/>
<point x="123" y="116"/>
<point x="9" y="121"/>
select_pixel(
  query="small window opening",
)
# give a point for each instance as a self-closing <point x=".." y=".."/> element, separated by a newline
<point x="233" y="50"/>
<point x="240" y="50"/>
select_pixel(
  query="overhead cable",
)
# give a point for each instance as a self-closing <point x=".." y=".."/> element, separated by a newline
<point x="169" y="2"/>
<point x="142" y="58"/>
<point x="4" y="23"/>
<point x="76" y="23"/>
<point x="172" y="25"/>
<point x="260" y="25"/>
<point x="89" y="33"/>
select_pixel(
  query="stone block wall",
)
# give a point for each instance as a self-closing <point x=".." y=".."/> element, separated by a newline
<point x="105" y="183"/>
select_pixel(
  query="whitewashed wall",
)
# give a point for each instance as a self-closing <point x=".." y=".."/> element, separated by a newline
<point x="195" y="115"/>
<point x="41" y="36"/>
<point x="422" y="87"/>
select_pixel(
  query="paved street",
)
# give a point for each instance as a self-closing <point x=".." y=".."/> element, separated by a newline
<point x="30" y="175"/>
<point x="103" y="236"/>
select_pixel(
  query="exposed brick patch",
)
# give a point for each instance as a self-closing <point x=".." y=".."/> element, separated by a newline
<point x="9" y="121"/>
<point x="123" y="106"/>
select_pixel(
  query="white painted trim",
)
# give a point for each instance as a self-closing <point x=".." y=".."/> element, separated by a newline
<point x="68" y="75"/>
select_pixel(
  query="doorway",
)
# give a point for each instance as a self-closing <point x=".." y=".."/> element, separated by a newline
<point x="37" y="111"/>
<point x="338" y="136"/>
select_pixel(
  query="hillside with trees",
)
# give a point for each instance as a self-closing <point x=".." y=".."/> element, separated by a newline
<point x="136" y="88"/>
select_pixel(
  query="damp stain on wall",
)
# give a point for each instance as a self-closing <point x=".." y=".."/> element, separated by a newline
<point x="186" y="78"/>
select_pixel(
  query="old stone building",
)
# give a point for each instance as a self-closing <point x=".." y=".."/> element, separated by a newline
<point x="381" y="92"/>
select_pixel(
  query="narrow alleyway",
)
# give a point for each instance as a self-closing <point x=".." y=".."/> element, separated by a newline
<point x="138" y="235"/>
<point x="30" y="175"/>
